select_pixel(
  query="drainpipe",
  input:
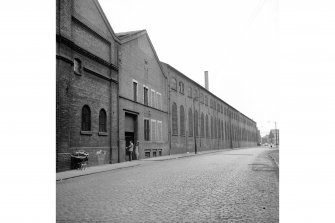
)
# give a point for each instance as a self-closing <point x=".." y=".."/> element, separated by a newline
<point x="169" y="113"/>
<point x="118" y="112"/>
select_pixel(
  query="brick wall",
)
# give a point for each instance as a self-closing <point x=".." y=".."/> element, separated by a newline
<point x="138" y="62"/>
<point x="78" y="29"/>
<point x="182" y="144"/>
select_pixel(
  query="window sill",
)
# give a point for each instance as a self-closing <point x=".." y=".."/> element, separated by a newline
<point x="103" y="134"/>
<point x="86" y="132"/>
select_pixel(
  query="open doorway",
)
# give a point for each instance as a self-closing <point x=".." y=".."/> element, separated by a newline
<point x="130" y="132"/>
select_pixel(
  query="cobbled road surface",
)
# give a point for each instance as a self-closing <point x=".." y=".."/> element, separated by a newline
<point x="227" y="186"/>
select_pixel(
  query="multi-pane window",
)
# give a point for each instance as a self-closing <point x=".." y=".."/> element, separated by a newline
<point x="159" y="131"/>
<point x="153" y="130"/>
<point x="146" y="130"/>
<point x="146" y="95"/>
<point x="135" y="90"/>
<point x="159" y="100"/>
<point x="181" y="87"/>
<point x="174" y="119"/>
<point x="86" y="118"/>
<point x="153" y="94"/>
<point x="190" y="122"/>
<point x="102" y="121"/>
<point x="206" y="100"/>
<point x="189" y="93"/>
<point x="77" y="66"/>
<point x="173" y="84"/>
<point x="182" y="120"/>
<point x="202" y="126"/>
<point x="196" y="94"/>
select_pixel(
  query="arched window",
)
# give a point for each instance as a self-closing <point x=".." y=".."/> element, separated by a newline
<point x="212" y="128"/>
<point x="219" y="129"/>
<point x="86" y="118"/>
<point x="196" y="126"/>
<point x="189" y="93"/>
<point x="222" y="131"/>
<point x="173" y="84"/>
<point x="190" y="122"/>
<point x="174" y="119"/>
<point x="102" y="121"/>
<point x="181" y="87"/>
<point x="214" y="120"/>
<point x="202" y="126"/>
<point x="182" y="120"/>
<point x="207" y="129"/>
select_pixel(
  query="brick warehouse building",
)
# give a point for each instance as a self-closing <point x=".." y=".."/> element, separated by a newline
<point x="200" y="119"/>
<point x="112" y="88"/>
<point x="86" y="83"/>
<point x="143" y="110"/>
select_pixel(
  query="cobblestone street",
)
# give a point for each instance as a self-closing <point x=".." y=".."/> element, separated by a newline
<point x="228" y="186"/>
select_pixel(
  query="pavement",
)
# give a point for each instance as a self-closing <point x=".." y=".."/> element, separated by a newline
<point x="275" y="156"/>
<point x="109" y="167"/>
<point x="239" y="185"/>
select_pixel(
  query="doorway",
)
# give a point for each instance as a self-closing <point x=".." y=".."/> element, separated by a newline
<point x="130" y="133"/>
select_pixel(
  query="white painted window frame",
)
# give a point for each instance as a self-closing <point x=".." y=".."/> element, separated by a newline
<point x="153" y="133"/>
<point x="153" y="95"/>
<point x="159" y="125"/>
<point x="144" y="86"/>
<point x="135" y="81"/>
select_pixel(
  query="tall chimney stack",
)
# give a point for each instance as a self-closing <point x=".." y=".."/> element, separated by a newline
<point x="206" y="80"/>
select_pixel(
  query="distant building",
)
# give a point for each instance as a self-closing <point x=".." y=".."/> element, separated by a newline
<point x="274" y="136"/>
<point x="265" y="139"/>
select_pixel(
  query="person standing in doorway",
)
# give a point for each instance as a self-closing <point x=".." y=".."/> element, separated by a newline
<point x="136" y="150"/>
<point x="130" y="150"/>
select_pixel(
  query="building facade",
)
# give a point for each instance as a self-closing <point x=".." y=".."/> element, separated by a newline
<point x="112" y="88"/>
<point x="274" y="139"/>
<point x="201" y="121"/>
<point x="86" y="83"/>
<point x="143" y="110"/>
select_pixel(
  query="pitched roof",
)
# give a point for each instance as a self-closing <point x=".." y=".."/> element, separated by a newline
<point x="106" y="20"/>
<point x="205" y="90"/>
<point x="125" y="36"/>
<point x="131" y="35"/>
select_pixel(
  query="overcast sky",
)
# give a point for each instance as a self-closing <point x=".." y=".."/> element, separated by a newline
<point x="236" y="41"/>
